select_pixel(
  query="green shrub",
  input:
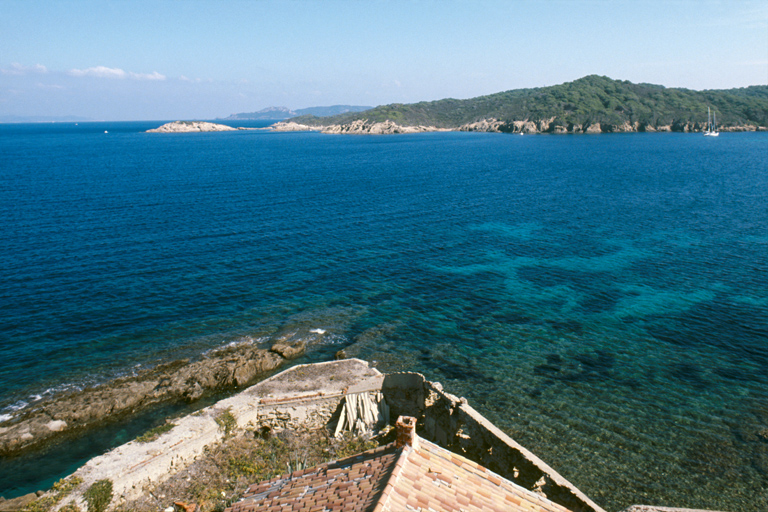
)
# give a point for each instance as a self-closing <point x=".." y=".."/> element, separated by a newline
<point x="66" y="485"/>
<point x="350" y="445"/>
<point x="58" y="492"/>
<point x="153" y="433"/>
<point x="227" y="422"/>
<point x="99" y="495"/>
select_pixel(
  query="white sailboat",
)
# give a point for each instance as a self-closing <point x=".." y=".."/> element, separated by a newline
<point x="711" y="129"/>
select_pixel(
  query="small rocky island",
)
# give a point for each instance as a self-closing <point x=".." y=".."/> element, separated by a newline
<point x="192" y="126"/>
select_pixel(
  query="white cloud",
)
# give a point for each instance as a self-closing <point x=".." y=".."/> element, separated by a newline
<point x="147" y="76"/>
<point x="105" y="72"/>
<point x="48" y="86"/>
<point x="18" y="69"/>
<point x="99" y="71"/>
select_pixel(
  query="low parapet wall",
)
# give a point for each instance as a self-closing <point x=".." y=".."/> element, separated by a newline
<point x="452" y="423"/>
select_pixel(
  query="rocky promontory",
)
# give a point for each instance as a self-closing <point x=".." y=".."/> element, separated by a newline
<point x="192" y="126"/>
<point x="592" y="104"/>
<point x="291" y="126"/>
<point x="359" y="127"/>
<point x="364" y="126"/>
<point x="178" y="381"/>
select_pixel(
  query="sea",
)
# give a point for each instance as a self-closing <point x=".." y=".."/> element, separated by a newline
<point x="603" y="299"/>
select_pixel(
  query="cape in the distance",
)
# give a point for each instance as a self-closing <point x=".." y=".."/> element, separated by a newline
<point x="280" y="113"/>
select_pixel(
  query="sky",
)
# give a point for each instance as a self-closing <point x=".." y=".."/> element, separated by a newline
<point x="202" y="59"/>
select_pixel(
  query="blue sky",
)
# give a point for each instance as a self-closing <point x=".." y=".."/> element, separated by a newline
<point x="200" y="59"/>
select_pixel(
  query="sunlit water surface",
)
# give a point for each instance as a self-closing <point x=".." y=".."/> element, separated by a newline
<point x="603" y="299"/>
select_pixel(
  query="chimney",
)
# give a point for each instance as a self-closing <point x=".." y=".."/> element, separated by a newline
<point x="406" y="432"/>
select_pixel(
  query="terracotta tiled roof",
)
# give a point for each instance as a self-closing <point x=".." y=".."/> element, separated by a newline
<point x="418" y="477"/>
<point x="433" y="478"/>
<point x="353" y="484"/>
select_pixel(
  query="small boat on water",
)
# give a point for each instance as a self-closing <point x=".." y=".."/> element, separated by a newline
<point x="711" y="129"/>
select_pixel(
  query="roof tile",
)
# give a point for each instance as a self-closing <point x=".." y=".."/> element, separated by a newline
<point x="389" y="479"/>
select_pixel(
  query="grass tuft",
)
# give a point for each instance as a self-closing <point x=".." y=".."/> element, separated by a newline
<point x="225" y="470"/>
<point x="99" y="495"/>
<point x="58" y="492"/>
<point x="227" y="422"/>
<point x="152" y="434"/>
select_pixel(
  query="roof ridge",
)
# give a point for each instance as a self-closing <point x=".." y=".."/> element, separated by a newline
<point x="394" y="476"/>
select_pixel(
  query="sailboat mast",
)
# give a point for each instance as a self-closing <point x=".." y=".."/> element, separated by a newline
<point x="711" y="128"/>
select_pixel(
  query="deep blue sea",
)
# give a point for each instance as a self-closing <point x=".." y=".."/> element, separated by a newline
<point x="603" y="299"/>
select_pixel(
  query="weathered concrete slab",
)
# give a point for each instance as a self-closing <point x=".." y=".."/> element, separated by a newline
<point x="321" y="379"/>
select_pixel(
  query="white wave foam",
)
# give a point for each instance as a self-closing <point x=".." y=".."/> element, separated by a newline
<point x="334" y="339"/>
<point x="63" y="388"/>
<point x="17" y="406"/>
<point x="318" y="331"/>
<point x="241" y="341"/>
<point x="5" y="417"/>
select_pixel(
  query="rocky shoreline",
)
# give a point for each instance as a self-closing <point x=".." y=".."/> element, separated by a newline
<point x="180" y="381"/>
<point x="551" y="126"/>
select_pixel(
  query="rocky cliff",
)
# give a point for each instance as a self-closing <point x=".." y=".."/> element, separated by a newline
<point x="551" y="125"/>
<point x="548" y="125"/>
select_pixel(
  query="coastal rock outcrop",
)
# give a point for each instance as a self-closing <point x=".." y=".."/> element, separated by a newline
<point x="359" y="127"/>
<point x="177" y="381"/>
<point x="363" y="126"/>
<point x="191" y="126"/>
<point x="486" y="125"/>
<point x="291" y="126"/>
<point x="551" y="125"/>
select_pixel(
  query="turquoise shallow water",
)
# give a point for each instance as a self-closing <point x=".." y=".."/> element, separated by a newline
<point x="603" y="299"/>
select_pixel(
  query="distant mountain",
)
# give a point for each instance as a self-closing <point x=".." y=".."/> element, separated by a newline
<point x="268" y="114"/>
<point x="281" y="113"/>
<point x="330" y="111"/>
<point x="44" y="119"/>
<point x="590" y="104"/>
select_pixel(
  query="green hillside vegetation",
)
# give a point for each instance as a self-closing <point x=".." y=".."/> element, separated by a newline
<point x="589" y="100"/>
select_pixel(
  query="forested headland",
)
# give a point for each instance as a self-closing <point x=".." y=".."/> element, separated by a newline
<point x="593" y="103"/>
